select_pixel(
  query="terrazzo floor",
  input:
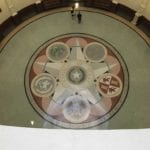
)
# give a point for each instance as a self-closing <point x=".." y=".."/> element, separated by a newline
<point x="130" y="48"/>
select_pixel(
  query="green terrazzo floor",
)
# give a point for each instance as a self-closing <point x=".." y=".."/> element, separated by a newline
<point x="15" y="109"/>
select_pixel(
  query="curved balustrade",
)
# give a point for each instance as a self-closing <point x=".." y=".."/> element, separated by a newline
<point x="40" y="6"/>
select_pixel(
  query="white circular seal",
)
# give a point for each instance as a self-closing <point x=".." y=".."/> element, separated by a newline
<point x="76" y="109"/>
<point x="43" y="85"/>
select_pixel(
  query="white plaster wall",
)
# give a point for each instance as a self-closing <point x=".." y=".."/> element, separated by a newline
<point x="137" y="6"/>
<point x="10" y="7"/>
<point x="147" y="11"/>
<point x="19" y="4"/>
<point x="134" y="4"/>
<point x="15" y="138"/>
<point x="5" y="11"/>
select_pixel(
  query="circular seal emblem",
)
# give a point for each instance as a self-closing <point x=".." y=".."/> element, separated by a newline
<point x="95" y="52"/>
<point x="43" y="85"/>
<point x="58" y="51"/>
<point x="76" y="109"/>
<point x="109" y="85"/>
<point x="76" y="75"/>
<point x="76" y="81"/>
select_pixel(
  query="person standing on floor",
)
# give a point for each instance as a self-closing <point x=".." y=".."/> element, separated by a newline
<point x="79" y="16"/>
<point x="72" y="11"/>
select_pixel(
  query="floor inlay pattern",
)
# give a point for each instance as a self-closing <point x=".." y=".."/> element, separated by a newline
<point x="76" y="81"/>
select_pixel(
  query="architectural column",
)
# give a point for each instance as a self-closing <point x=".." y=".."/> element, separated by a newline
<point x="136" y="18"/>
<point x="139" y="12"/>
<point x="11" y="7"/>
<point x="38" y="6"/>
<point x="13" y="11"/>
<point x="114" y="6"/>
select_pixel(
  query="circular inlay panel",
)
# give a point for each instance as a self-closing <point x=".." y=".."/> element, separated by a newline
<point x="58" y="51"/>
<point x="43" y="85"/>
<point x="76" y="109"/>
<point x="76" y="81"/>
<point x="95" y="52"/>
<point x="109" y="85"/>
<point x="76" y="75"/>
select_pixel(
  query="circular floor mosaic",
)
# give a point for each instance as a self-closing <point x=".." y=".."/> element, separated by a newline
<point x="76" y="81"/>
